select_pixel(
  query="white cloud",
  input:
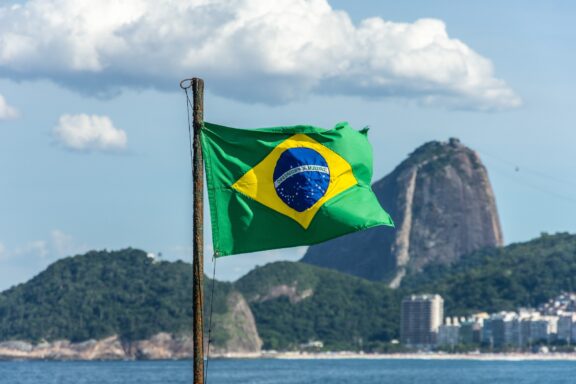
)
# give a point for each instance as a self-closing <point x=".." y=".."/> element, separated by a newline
<point x="63" y="244"/>
<point x="88" y="133"/>
<point x="59" y="244"/>
<point x="19" y="263"/>
<point x="6" y="110"/>
<point x="37" y="248"/>
<point x="250" y="50"/>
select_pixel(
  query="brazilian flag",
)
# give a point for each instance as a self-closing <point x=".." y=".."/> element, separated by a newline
<point x="287" y="186"/>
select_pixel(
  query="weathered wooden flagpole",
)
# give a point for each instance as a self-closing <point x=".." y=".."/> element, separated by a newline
<point x="198" y="235"/>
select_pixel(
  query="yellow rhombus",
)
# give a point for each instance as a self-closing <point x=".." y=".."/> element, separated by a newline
<point x="258" y="183"/>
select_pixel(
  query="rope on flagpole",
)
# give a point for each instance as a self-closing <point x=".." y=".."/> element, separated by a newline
<point x="210" y="319"/>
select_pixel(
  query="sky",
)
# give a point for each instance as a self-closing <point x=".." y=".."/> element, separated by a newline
<point x="94" y="150"/>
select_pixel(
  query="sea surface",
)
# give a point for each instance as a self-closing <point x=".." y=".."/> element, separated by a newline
<point x="292" y="372"/>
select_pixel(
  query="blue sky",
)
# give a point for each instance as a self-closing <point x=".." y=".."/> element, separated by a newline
<point x="93" y="141"/>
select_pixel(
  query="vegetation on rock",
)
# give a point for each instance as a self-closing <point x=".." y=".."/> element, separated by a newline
<point x="342" y="311"/>
<point x="494" y="279"/>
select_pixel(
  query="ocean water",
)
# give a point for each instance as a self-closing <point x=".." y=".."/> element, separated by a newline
<point x="267" y="371"/>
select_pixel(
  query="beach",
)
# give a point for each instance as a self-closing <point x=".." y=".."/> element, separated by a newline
<point x="403" y="356"/>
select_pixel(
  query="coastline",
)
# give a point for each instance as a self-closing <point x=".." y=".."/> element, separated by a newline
<point x="402" y="356"/>
<point x="510" y="357"/>
<point x="164" y="346"/>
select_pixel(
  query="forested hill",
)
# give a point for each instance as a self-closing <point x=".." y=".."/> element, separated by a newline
<point x="523" y="274"/>
<point x="125" y="293"/>
<point x="295" y="303"/>
<point x="100" y="294"/>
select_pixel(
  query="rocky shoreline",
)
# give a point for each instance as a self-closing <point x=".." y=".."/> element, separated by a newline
<point x="164" y="346"/>
<point x="159" y="347"/>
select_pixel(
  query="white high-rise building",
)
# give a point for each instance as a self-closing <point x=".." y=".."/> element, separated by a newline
<point x="420" y="319"/>
<point x="566" y="324"/>
<point x="449" y="332"/>
<point x="501" y="329"/>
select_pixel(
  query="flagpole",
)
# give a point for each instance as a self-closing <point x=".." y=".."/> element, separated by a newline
<point x="198" y="235"/>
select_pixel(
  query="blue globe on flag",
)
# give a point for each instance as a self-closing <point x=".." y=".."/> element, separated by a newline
<point x="301" y="177"/>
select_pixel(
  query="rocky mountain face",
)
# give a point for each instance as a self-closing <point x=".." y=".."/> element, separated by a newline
<point x="238" y="326"/>
<point x="160" y="346"/>
<point x="295" y="304"/>
<point x="443" y="206"/>
<point x="163" y="346"/>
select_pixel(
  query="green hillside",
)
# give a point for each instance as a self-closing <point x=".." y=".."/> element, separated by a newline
<point x="343" y="311"/>
<point x="101" y="294"/>
<point x="519" y="275"/>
